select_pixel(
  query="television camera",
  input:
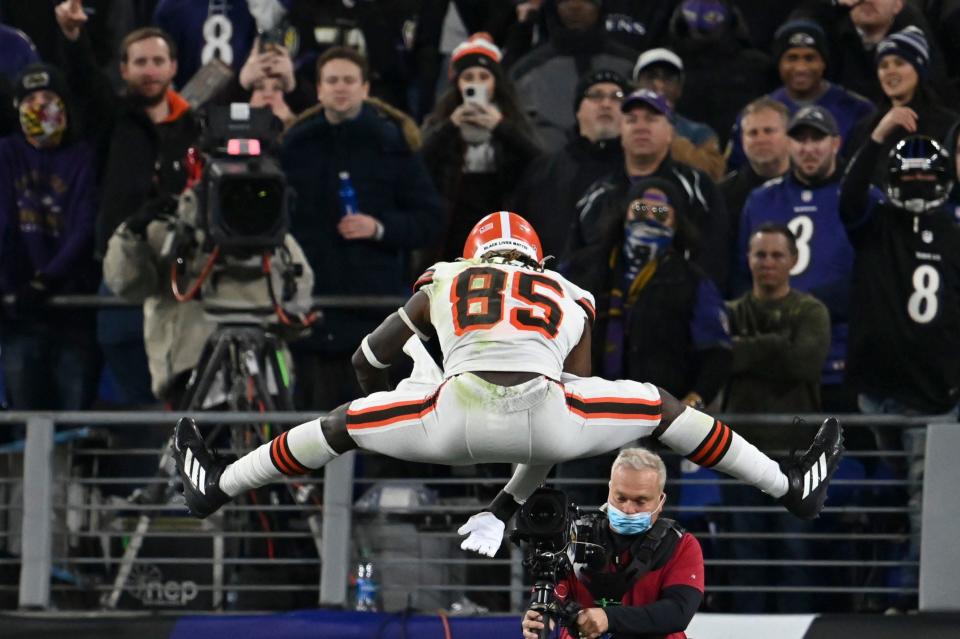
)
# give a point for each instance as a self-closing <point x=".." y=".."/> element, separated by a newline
<point x="245" y="197"/>
<point x="555" y="535"/>
<point x="229" y="235"/>
<point x="230" y="231"/>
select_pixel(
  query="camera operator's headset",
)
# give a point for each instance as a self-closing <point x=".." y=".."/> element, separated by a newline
<point x="194" y="169"/>
<point x="649" y="552"/>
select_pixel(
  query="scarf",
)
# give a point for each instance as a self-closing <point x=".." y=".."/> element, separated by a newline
<point x="633" y="264"/>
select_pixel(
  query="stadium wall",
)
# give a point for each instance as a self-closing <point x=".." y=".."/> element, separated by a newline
<point x="357" y="625"/>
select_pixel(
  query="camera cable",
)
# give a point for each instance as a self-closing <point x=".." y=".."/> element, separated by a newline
<point x="301" y="322"/>
<point x="195" y="287"/>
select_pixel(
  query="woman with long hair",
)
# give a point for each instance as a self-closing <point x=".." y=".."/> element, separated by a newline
<point x="911" y="106"/>
<point x="477" y="142"/>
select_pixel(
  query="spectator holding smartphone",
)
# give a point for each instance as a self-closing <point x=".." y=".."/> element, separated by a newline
<point x="477" y="142"/>
<point x="268" y="76"/>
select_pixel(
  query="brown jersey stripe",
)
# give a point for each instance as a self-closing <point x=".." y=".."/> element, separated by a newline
<point x="385" y="415"/>
<point x="588" y="308"/>
<point x="611" y="407"/>
<point x="423" y="280"/>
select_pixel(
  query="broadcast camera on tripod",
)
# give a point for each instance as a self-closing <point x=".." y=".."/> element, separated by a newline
<point x="254" y="283"/>
<point x="233" y="267"/>
<point x="554" y="536"/>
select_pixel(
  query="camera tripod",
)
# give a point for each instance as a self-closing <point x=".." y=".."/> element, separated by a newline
<point x="546" y="568"/>
<point x="243" y="369"/>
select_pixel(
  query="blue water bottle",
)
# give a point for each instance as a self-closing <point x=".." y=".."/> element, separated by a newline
<point x="348" y="195"/>
<point x="367" y="593"/>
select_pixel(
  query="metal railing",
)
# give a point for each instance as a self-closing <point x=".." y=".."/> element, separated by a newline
<point x="66" y="532"/>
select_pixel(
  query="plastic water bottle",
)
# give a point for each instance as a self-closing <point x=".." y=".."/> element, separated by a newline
<point x="348" y="195"/>
<point x="367" y="589"/>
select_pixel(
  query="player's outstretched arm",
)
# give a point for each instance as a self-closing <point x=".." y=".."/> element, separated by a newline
<point x="800" y="483"/>
<point x="384" y="345"/>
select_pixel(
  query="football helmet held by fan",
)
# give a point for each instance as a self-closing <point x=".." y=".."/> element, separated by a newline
<point x="920" y="174"/>
<point x="505" y="234"/>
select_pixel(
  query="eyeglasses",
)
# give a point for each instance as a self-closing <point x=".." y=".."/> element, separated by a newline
<point x="600" y="96"/>
<point x="659" y="212"/>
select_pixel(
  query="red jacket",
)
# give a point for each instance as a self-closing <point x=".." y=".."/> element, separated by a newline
<point x="684" y="568"/>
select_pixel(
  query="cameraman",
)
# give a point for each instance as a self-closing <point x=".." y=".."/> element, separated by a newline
<point x="137" y="267"/>
<point x="649" y="579"/>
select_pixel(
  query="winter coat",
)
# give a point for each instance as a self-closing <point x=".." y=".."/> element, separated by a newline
<point x="549" y="191"/>
<point x="605" y="200"/>
<point x="471" y="195"/>
<point x="934" y="119"/>
<point x="392" y="185"/>
<point x="138" y="160"/>
<point x="546" y="78"/>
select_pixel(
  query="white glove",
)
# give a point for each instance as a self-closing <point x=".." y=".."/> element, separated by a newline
<point x="485" y="534"/>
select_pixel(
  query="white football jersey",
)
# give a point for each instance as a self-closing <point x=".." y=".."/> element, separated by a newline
<point x="500" y="317"/>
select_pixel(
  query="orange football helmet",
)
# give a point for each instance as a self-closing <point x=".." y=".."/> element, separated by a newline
<point x="503" y="231"/>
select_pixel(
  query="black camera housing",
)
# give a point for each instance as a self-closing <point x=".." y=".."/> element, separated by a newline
<point x="246" y="204"/>
<point x="245" y="198"/>
<point x="548" y="522"/>
<point x="545" y="520"/>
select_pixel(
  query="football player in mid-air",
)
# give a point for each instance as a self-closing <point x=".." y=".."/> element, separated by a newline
<point x="515" y="387"/>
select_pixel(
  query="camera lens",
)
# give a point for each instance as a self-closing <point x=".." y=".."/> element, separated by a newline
<point x="544" y="514"/>
<point x="470" y="92"/>
<point x="251" y="206"/>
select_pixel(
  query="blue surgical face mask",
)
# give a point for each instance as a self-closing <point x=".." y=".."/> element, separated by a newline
<point x="633" y="524"/>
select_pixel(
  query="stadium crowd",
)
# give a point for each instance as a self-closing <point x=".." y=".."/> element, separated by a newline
<point x="784" y="248"/>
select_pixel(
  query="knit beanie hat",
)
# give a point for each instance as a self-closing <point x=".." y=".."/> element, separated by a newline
<point x="796" y="34"/>
<point x="39" y="77"/>
<point x="476" y="51"/>
<point x="597" y="77"/>
<point x="909" y="44"/>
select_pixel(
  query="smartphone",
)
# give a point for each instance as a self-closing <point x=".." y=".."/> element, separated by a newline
<point x="475" y="94"/>
<point x="271" y="38"/>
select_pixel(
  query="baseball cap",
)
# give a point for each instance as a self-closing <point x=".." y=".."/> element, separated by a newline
<point x="659" y="55"/>
<point x="649" y="98"/>
<point x="815" y="117"/>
